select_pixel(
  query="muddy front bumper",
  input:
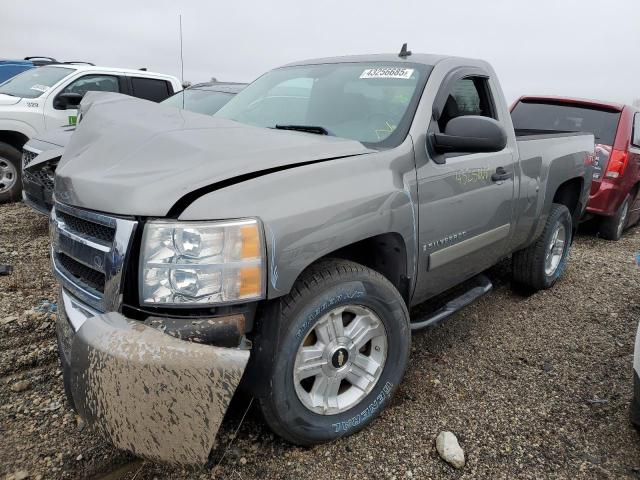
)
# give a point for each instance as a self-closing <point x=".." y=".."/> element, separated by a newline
<point x="147" y="392"/>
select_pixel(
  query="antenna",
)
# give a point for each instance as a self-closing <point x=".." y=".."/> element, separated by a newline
<point x="404" y="53"/>
<point x="181" y="60"/>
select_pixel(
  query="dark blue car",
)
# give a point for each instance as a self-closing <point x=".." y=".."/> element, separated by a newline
<point x="11" y="68"/>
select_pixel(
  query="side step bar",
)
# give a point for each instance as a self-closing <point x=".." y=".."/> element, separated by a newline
<point x="483" y="286"/>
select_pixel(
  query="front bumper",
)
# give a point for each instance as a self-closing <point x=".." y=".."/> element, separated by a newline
<point x="147" y="392"/>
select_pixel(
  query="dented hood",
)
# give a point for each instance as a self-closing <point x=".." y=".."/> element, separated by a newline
<point x="134" y="157"/>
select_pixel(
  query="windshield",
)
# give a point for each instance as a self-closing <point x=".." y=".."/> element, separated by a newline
<point x="200" y="101"/>
<point x="537" y="115"/>
<point x="372" y="103"/>
<point x="34" y="82"/>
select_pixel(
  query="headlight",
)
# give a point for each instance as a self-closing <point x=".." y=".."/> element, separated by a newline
<point x="201" y="262"/>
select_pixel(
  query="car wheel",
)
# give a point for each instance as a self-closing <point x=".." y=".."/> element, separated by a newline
<point x="10" y="179"/>
<point x="342" y="352"/>
<point x="612" y="228"/>
<point x="540" y="265"/>
<point x="634" y="408"/>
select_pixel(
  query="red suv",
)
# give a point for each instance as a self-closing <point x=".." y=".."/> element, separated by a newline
<point x="614" y="196"/>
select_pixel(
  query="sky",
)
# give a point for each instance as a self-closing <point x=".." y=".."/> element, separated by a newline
<point x="587" y="48"/>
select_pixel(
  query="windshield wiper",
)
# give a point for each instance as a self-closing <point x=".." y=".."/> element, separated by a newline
<point x="10" y="94"/>
<point x="305" y="128"/>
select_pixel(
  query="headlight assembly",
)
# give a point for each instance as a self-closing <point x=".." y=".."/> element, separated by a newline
<point x="207" y="263"/>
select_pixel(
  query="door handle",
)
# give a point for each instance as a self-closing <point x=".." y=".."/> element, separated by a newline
<point x="501" y="174"/>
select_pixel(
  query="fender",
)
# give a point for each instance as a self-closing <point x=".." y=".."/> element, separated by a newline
<point x="310" y="211"/>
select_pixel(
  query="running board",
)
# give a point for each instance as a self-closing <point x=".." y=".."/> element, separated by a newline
<point x="483" y="286"/>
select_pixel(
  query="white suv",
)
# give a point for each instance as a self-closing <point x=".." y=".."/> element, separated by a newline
<point x="47" y="97"/>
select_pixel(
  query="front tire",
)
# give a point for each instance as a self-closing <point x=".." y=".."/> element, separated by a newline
<point x="10" y="178"/>
<point x="342" y="352"/>
<point x="540" y="265"/>
<point x="612" y="228"/>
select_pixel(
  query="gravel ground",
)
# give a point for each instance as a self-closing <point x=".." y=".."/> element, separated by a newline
<point x="533" y="386"/>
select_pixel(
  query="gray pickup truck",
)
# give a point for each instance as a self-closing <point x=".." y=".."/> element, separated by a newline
<point x="282" y="241"/>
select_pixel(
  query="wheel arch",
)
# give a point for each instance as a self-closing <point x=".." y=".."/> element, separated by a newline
<point x="13" y="138"/>
<point x="568" y="194"/>
<point x="385" y="253"/>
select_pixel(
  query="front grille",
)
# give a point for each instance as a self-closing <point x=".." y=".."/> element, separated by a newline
<point x="82" y="273"/>
<point x="27" y="157"/>
<point x="87" y="228"/>
<point x="89" y="251"/>
<point x="41" y="177"/>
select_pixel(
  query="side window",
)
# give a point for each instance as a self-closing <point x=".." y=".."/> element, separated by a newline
<point x="635" y="139"/>
<point x="93" y="83"/>
<point x="467" y="96"/>
<point x="149" y="88"/>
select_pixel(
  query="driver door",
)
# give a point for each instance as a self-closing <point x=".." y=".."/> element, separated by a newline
<point x="465" y="217"/>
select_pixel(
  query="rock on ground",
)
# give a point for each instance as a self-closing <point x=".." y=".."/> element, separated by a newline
<point x="449" y="449"/>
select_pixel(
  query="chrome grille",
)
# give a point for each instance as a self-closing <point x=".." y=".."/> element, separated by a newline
<point x="88" y="252"/>
<point x="40" y="176"/>
<point x="28" y="155"/>
<point x="87" y="276"/>
<point x="91" y="229"/>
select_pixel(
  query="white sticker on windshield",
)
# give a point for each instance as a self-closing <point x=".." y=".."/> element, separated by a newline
<point x="40" y="88"/>
<point x="387" y="72"/>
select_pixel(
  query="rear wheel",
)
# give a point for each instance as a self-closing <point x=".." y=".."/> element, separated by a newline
<point x="341" y="354"/>
<point x="612" y="228"/>
<point x="10" y="181"/>
<point x="540" y="265"/>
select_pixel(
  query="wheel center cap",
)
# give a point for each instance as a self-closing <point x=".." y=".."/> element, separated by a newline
<point x="339" y="358"/>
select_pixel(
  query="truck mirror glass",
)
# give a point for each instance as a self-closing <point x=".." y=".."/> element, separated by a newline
<point x="68" y="100"/>
<point x="471" y="134"/>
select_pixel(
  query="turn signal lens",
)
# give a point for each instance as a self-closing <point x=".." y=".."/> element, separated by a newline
<point x="250" y="282"/>
<point x="617" y="164"/>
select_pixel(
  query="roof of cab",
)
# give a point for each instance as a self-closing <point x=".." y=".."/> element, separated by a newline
<point x="225" y="87"/>
<point x="424" y="58"/>
<point x="572" y="100"/>
<point x="82" y="67"/>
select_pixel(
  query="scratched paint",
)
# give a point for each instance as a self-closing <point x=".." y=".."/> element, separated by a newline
<point x="150" y="393"/>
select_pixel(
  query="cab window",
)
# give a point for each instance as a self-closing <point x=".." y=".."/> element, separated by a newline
<point x="93" y="83"/>
<point x="150" y="88"/>
<point x="467" y="96"/>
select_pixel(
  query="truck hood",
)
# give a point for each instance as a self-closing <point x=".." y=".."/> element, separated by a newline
<point x="134" y="157"/>
<point x="6" y="100"/>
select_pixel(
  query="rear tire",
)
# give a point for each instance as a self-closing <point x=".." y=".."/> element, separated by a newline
<point x="10" y="174"/>
<point x="540" y="265"/>
<point x="612" y="228"/>
<point x="326" y="294"/>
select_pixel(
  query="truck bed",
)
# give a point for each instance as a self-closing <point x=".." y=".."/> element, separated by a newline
<point x="531" y="134"/>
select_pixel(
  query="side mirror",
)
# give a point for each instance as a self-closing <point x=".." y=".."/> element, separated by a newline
<point x="66" y="101"/>
<point x="471" y="134"/>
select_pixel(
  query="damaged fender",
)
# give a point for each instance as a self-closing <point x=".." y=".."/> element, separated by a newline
<point x="150" y="393"/>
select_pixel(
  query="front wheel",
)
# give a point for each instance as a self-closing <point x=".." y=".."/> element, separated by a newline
<point x="341" y="354"/>
<point x="540" y="265"/>
<point x="10" y="184"/>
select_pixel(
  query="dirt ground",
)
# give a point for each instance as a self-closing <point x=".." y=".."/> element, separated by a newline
<point x="533" y="386"/>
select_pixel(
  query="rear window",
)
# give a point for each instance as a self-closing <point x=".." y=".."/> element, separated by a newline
<point x="549" y="117"/>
